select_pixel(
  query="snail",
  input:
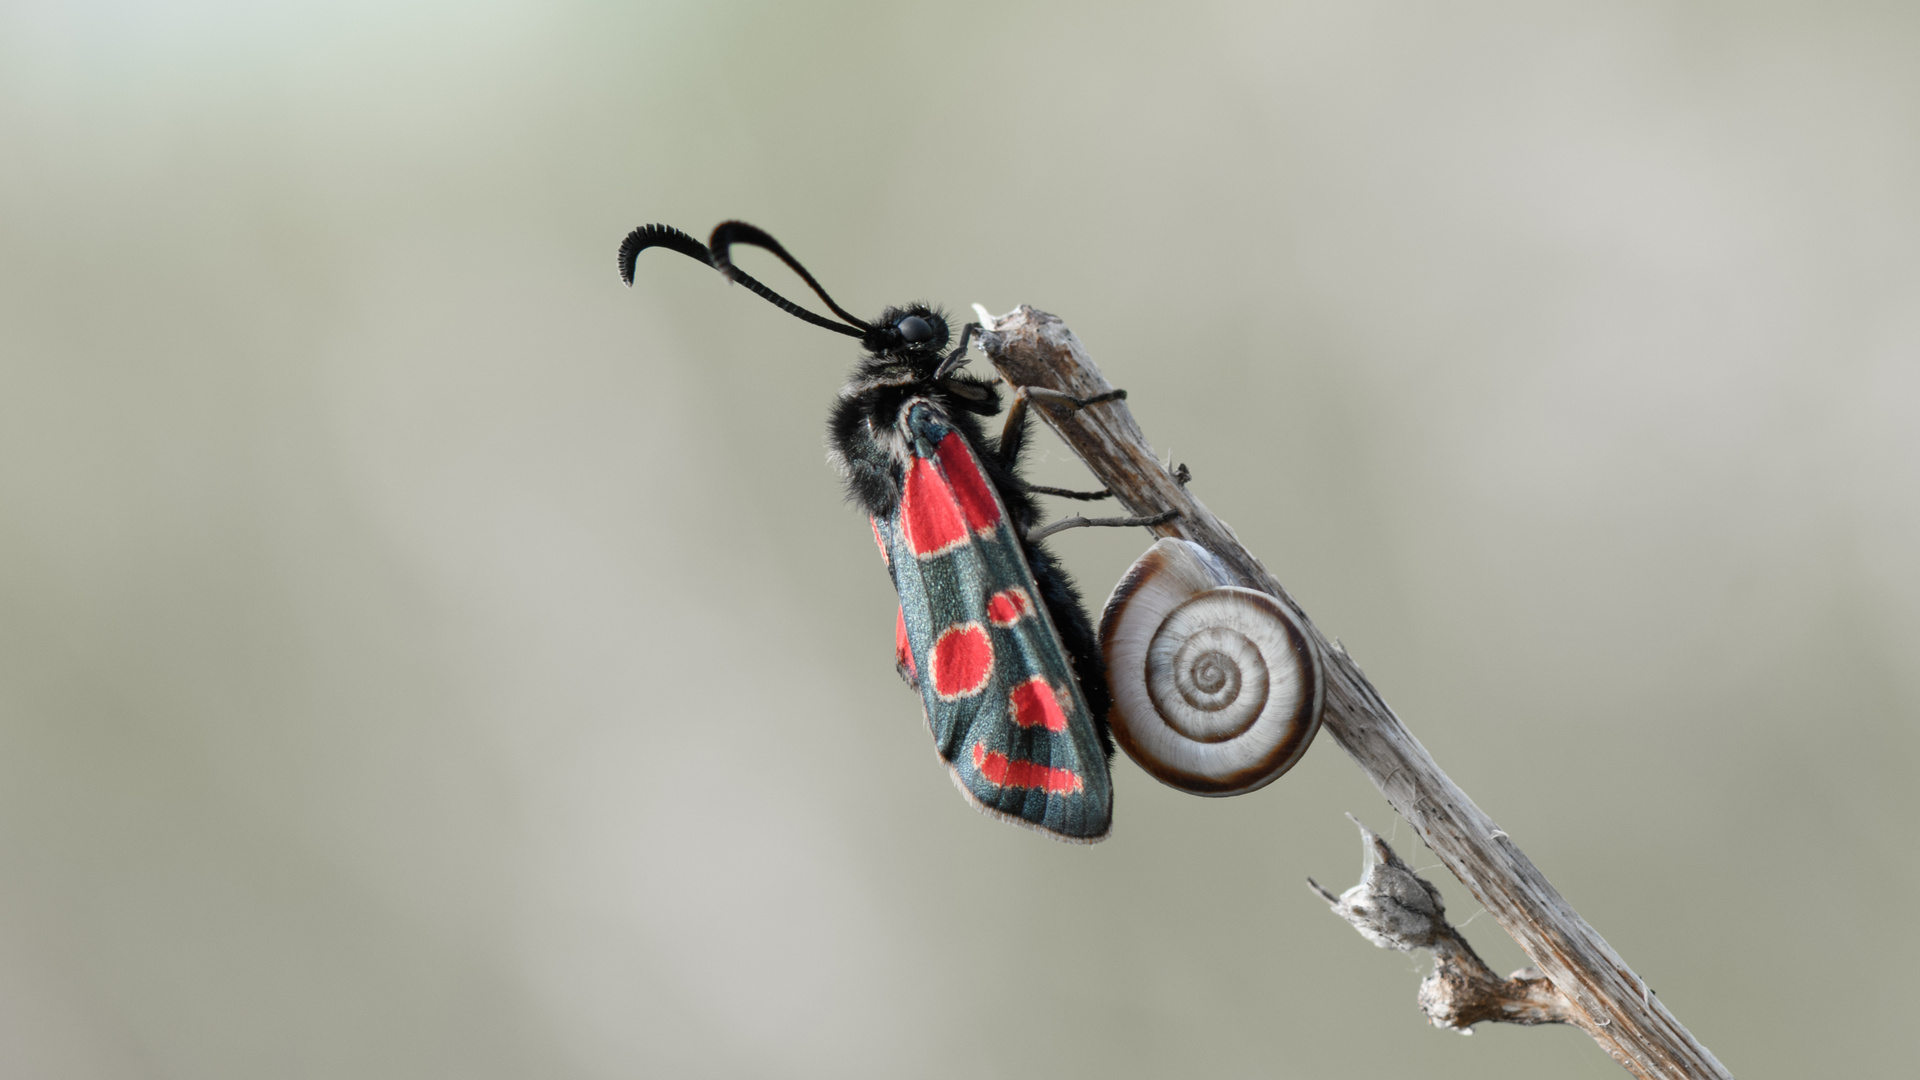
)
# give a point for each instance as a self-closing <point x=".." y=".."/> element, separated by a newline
<point x="1216" y="688"/>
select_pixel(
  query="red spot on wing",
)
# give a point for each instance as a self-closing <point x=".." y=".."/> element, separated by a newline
<point x="962" y="660"/>
<point x="903" y="649"/>
<point x="970" y="487"/>
<point x="1009" y="606"/>
<point x="880" y="543"/>
<point x="1002" y="771"/>
<point x="1034" y="704"/>
<point x="930" y="517"/>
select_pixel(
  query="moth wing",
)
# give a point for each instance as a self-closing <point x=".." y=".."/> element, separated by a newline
<point x="1006" y="714"/>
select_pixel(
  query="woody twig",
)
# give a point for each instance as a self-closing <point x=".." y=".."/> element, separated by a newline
<point x="1589" y="984"/>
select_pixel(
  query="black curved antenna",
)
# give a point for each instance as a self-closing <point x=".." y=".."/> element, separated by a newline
<point x="728" y="233"/>
<point x="667" y="236"/>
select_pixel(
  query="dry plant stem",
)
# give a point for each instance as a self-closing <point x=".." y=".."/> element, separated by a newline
<point x="1033" y="349"/>
<point x="1397" y="909"/>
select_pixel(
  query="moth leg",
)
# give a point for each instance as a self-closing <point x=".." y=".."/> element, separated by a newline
<point x="959" y="355"/>
<point x="1014" y="433"/>
<point x="1061" y="397"/>
<point x="1007" y="452"/>
<point x="1078" y="522"/>
<point x="1063" y="493"/>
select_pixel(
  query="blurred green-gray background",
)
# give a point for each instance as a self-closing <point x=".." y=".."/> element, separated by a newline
<point x="425" y="657"/>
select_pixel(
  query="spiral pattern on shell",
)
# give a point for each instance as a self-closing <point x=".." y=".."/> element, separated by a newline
<point x="1216" y="689"/>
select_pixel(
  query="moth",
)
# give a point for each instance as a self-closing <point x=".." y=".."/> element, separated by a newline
<point x="991" y="630"/>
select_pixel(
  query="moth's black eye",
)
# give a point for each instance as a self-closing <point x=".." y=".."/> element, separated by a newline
<point x="914" y="330"/>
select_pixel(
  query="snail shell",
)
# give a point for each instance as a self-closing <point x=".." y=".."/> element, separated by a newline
<point x="1216" y="689"/>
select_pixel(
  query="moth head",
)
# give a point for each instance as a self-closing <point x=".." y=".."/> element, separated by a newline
<point x="916" y="333"/>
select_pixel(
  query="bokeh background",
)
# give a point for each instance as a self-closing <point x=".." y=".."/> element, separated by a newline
<point x="422" y="656"/>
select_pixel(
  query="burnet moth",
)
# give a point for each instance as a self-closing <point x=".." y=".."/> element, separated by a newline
<point x="990" y="630"/>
